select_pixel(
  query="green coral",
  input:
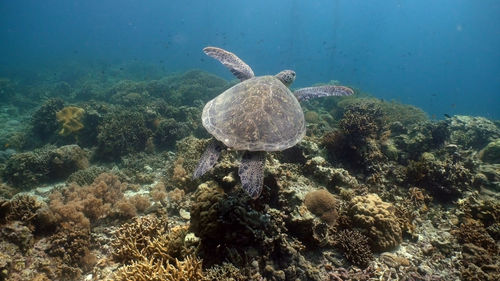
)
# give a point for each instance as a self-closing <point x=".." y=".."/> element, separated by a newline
<point x="25" y="170"/>
<point x="121" y="133"/>
<point x="44" y="124"/>
<point x="169" y="131"/>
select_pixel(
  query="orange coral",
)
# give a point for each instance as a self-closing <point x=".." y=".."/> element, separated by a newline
<point x="71" y="119"/>
<point x="88" y="203"/>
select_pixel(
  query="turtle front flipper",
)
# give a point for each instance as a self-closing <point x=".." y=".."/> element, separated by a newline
<point x="322" y="91"/>
<point x="238" y="67"/>
<point x="208" y="158"/>
<point x="251" y="172"/>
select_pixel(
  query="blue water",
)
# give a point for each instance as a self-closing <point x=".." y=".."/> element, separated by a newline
<point x="443" y="56"/>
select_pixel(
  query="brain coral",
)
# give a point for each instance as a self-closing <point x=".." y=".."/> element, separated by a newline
<point x="376" y="220"/>
<point x="323" y="204"/>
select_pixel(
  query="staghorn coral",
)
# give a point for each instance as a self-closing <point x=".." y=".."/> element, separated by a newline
<point x="224" y="272"/>
<point x="354" y="246"/>
<point x="190" y="269"/>
<point x="70" y="118"/>
<point x="376" y="219"/>
<point x="131" y="239"/>
<point x="151" y="251"/>
<point x="72" y="244"/>
<point x="323" y="204"/>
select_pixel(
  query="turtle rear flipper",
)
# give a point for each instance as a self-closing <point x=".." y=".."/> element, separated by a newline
<point x="322" y="91"/>
<point x="208" y="159"/>
<point x="238" y="67"/>
<point x="251" y="172"/>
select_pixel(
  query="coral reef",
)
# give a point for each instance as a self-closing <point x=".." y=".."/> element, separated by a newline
<point x="418" y="138"/>
<point x="475" y="132"/>
<point x="375" y="219"/>
<point x="357" y="145"/>
<point x="446" y="180"/>
<point x="24" y="170"/>
<point x="362" y="180"/>
<point x="248" y="235"/>
<point x="70" y="118"/>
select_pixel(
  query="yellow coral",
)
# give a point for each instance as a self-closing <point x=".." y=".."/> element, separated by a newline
<point x="148" y="270"/>
<point x="376" y="219"/>
<point x="71" y="119"/>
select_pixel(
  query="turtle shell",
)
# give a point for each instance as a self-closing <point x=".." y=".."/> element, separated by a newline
<point x="258" y="114"/>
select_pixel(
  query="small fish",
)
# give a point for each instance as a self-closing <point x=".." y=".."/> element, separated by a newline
<point x="447" y="115"/>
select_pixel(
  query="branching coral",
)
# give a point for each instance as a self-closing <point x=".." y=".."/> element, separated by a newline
<point x="357" y="143"/>
<point x="70" y="119"/>
<point x="152" y="251"/>
<point x="189" y="269"/>
<point x="479" y="260"/>
<point x="168" y="131"/>
<point x="131" y="239"/>
<point x="355" y="247"/>
<point x="71" y="243"/>
<point x="444" y="179"/>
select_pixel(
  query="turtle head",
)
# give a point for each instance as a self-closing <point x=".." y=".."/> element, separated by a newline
<point x="286" y="76"/>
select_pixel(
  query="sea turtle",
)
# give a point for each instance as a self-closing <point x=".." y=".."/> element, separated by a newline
<point x="258" y="114"/>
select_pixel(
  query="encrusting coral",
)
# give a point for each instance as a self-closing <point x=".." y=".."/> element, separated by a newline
<point x="70" y="118"/>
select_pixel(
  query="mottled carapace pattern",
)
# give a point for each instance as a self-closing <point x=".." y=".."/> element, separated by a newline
<point x="258" y="114"/>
